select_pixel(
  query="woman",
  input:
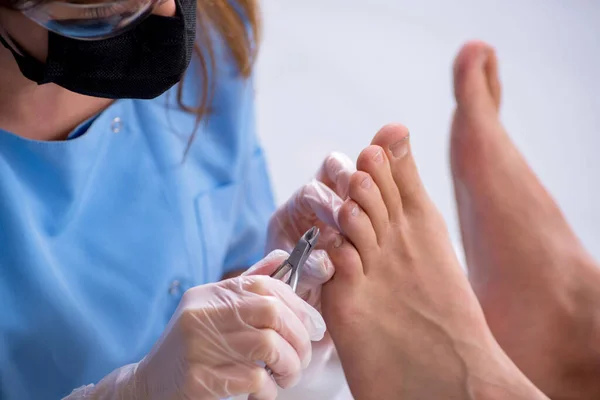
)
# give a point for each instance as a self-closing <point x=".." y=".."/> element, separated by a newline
<point x="130" y="174"/>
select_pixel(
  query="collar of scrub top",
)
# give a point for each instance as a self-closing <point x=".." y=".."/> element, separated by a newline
<point x="297" y="258"/>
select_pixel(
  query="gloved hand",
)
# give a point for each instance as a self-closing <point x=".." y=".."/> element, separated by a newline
<point x="213" y="342"/>
<point x="315" y="204"/>
<point x="324" y="377"/>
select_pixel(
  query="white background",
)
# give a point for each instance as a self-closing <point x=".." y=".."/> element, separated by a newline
<point x="332" y="72"/>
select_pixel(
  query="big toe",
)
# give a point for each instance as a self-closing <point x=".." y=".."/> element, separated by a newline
<point x="395" y="140"/>
<point x="476" y="82"/>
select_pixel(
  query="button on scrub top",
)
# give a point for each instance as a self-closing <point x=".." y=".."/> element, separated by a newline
<point x="101" y="234"/>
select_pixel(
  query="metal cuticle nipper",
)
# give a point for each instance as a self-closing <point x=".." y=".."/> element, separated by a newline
<point x="293" y="265"/>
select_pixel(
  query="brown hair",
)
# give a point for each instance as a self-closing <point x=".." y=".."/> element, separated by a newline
<point x="230" y="19"/>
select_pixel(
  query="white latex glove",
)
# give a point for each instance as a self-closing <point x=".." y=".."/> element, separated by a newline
<point x="324" y="377"/>
<point x="214" y="341"/>
<point x="315" y="204"/>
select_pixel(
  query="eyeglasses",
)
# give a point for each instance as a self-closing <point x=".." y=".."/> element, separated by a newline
<point x="82" y="20"/>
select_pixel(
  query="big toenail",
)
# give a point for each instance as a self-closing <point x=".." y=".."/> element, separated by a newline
<point x="366" y="183"/>
<point x="338" y="241"/>
<point x="378" y="157"/>
<point x="400" y="148"/>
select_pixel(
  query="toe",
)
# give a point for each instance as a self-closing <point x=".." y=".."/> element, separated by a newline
<point x="356" y="226"/>
<point x="374" y="161"/>
<point x="339" y="297"/>
<point x="477" y="136"/>
<point x="345" y="259"/>
<point x="476" y="82"/>
<point x="365" y="192"/>
<point x="395" y="140"/>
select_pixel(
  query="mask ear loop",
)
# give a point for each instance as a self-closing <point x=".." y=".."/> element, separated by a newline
<point x="5" y="38"/>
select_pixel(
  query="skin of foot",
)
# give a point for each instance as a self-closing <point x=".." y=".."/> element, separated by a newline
<point x="399" y="308"/>
<point x="539" y="289"/>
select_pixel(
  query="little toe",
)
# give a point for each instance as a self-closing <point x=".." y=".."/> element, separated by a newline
<point x="395" y="140"/>
<point x="374" y="161"/>
<point x="357" y="227"/>
<point x="340" y="296"/>
<point x="365" y="192"/>
<point x="345" y="259"/>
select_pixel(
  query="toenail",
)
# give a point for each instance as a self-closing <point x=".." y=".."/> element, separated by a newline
<point x="338" y="241"/>
<point x="355" y="211"/>
<point x="378" y="157"/>
<point x="366" y="183"/>
<point x="400" y="148"/>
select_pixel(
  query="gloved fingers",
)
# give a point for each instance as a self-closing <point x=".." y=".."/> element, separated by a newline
<point x="234" y="380"/>
<point x="312" y="295"/>
<point x="316" y="201"/>
<point x="335" y="172"/>
<point x="317" y="270"/>
<point x="264" y="386"/>
<point x="267" y="389"/>
<point x="266" y="286"/>
<point x="270" y="314"/>
<point x="312" y="204"/>
<point x="269" y="264"/>
<point x="267" y="346"/>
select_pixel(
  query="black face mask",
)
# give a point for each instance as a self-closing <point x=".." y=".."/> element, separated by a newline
<point x="141" y="63"/>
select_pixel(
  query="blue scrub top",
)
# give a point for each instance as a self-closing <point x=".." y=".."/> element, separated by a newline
<point x="101" y="234"/>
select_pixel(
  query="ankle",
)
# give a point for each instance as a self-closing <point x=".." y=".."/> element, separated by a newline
<point x="494" y="376"/>
<point x="523" y="390"/>
<point x="580" y="355"/>
<point x="583" y="313"/>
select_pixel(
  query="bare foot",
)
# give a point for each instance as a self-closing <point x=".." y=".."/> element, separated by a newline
<point x="400" y="310"/>
<point x="538" y="287"/>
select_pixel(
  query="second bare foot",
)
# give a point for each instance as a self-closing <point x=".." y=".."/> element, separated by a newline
<point x="539" y="289"/>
